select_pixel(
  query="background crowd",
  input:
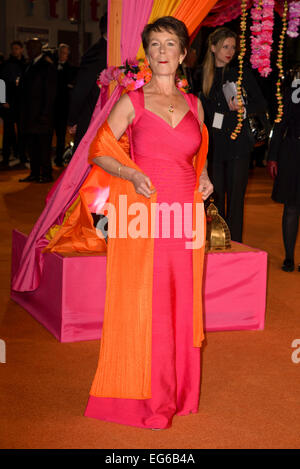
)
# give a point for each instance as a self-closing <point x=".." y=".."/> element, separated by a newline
<point x="47" y="96"/>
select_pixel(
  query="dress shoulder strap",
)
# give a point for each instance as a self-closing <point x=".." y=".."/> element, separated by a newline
<point x="193" y="102"/>
<point x="137" y="99"/>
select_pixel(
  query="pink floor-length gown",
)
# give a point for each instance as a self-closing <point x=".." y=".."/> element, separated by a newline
<point x="165" y="154"/>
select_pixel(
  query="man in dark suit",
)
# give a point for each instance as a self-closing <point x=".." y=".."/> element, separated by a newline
<point x="38" y="91"/>
<point x="86" y="92"/>
<point x="65" y="78"/>
<point x="11" y="72"/>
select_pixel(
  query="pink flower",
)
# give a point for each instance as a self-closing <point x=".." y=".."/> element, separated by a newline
<point x="294" y="19"/>
<point x="132" y="79"/>
<point x="292" y="33"/>
<point x="265" y="71"/>
<point x="267" y="3"/>
<point x="268" y="25"/>
<point x="139" y="83"/>
<point x="266" y="37"/>
<point x="261" y="37"/>
<point x="256" y="28"/>
<point x="106" y="76"/>
<point x="256" y="15"/>
<point x="255" y="40"/>
<point x="255" y="63"/>
<point x="268" y="11"/>
<point x="125" y="81"/>
<point x="265" y="62"/>
<point x="266" y="49"/>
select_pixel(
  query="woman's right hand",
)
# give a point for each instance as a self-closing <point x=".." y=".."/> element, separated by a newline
<point x="142" y="184"/>
<point x="272" y="168"/>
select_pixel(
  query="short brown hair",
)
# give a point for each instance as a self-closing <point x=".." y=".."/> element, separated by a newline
<point x="167" y="23"/>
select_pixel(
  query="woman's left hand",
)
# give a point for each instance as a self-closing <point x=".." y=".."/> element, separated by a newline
<point x="234" y="105"/>
<point x="205" y="185"/>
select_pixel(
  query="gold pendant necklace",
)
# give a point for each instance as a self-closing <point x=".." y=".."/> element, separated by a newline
<point x="171" y="108"/>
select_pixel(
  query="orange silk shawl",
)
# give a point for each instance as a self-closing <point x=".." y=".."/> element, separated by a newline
<point x="124" y="367"/>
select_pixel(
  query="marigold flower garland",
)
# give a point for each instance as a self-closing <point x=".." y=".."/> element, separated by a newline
<point x="240" y="112"/>
<point x="294" y="19"/>
<point x="279" y="63"/>
<point x="262" y="14"/>
<point x="132" y="76"/>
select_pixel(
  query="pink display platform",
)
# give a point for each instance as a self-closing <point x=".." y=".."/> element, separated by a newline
<point x="70" y="299"/>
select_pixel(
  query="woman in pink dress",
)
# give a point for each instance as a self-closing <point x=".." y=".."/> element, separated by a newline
<point x="165" y="126"/>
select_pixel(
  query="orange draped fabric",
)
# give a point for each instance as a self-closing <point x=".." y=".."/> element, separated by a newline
<point x="159" y="8"/>
<point x="114" y="32"/>
<point x="192" y="13"/>
<point x="124" y="368"/>
<point x="163" y="8"/>
<point x="188" y="11"/>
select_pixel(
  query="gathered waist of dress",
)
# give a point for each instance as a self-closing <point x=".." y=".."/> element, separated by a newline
<point x="173" y="181"/>
<point x="162" y="157"/>
<point x="161" y="164"/>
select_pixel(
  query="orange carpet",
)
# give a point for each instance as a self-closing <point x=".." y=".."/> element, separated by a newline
<point x="250" y="392"/>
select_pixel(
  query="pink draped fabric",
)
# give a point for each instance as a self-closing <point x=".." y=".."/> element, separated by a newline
<point x="223" y="12"/>
<point x="135" y="16"/>
<point x="227" y="10"/>
<point x="28" y="276"/>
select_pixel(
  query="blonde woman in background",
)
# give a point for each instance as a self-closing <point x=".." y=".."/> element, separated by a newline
<point x="228" y="160"/>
